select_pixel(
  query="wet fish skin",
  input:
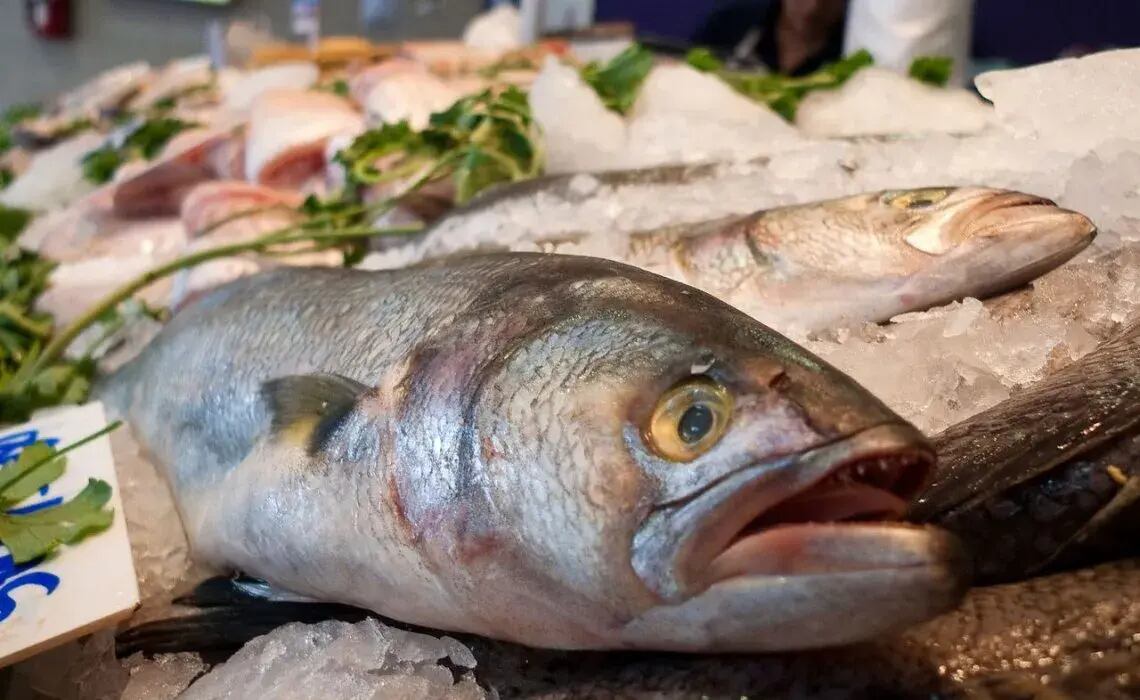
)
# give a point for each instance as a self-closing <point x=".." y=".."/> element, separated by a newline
<point x="813" y="266"/>
<point x="491" y="474"/>
<point x="1051" y="476"/>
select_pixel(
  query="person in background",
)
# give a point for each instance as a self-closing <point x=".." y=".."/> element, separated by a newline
<point x="791" y="36"/>
<point x="797" y="36"/>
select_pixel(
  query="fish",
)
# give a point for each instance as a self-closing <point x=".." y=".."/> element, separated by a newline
<point x="558" y="451"/>
<point x="1049" y="478"/>
<point x="191" y="158"/>
<point x="1067" y="636"/>
<point x="287" y="134"/>
<point x="226" y="212"/>
<point x="53" y="177"/>
<point x="813" y="266"/>
<point x="233" y="210"/>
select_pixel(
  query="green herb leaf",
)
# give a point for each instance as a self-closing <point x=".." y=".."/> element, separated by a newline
<point x="165" y="104"/>
<point x="783" y="93"/>
<point x="146" y="141"/>
<point x="509" y="62"/>
<point x="38" y="534"/>
<point x="703" y="60"/>
<point x="18" y="113"/>
<point x="617" y="81"/>
<point x="340" y="87"/>
<point x="12" y="223"/>
<point x="154" y="134"/>
<point x="933" y="70"/>
<point x="480" y="140"/>
<point x="100" y="165"/>
<point x="6" y="177"/>
<point x="36" y="466"/>
<point x="24" y="331"/>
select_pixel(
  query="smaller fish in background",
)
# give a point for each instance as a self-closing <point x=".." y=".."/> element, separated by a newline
<point x="814" y="266"/>
<point x="1049" y="478"/>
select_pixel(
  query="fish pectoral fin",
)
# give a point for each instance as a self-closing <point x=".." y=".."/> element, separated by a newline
<point x="307" y="409"/>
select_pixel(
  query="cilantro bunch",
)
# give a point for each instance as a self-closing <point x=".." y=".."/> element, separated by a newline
<point x="479" y="141"/>
<point x="11" y="118"/>
<point x="24" y="332"/>
<point x="618" y="80"/>
<point x="784" y="93"/>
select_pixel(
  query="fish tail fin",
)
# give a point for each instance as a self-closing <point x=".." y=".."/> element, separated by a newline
<point x="227" y="613"/>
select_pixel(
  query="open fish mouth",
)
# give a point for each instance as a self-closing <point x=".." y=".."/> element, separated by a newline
<point x="829" y="510"/>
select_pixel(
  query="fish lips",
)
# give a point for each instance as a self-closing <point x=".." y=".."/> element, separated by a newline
<point x="766" y="558"/>
<point x="782" y="517"/>
<point x="1036" y="235"/>
<point x="1017" y="214"/>
<point x="920" y="576"/>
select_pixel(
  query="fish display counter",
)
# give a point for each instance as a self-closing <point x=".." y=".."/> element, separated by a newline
<point x="441" y="370"/>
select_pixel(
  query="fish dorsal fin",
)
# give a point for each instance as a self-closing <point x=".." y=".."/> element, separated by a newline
<point x="307" y="409"/>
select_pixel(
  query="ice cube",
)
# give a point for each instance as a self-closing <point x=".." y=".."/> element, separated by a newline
<point x="337" y="659"/>
<point x="161" y="678"/>
<point x="579" y="133"/>
<point x="685" y="116"/>
<point x="877" y="101"/>
<point x="1105" y="185"/>
<point x="158" y="542"/>
<point x="1074" y="104"/>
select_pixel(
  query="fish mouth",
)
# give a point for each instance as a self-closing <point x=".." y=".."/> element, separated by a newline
<point x="1015" y="238"/>
<point x="1015" y="213"/>
<point x="807" y="514"/>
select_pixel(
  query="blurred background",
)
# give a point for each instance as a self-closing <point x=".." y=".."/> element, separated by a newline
<point x="48" y="45"/>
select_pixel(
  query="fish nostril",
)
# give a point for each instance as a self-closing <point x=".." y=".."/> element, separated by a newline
<point x="779" y="381"/>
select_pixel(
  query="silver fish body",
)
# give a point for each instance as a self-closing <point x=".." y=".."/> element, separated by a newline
<point x="560" y="451"/>
<point x="808" y="267"/>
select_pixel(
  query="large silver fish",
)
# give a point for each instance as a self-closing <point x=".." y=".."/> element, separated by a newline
<point x="813" y="266"/>
<point x="559" y="451"/>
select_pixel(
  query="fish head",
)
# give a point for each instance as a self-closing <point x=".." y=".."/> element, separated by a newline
<point x="685" y="478"/>
<point x="976" y="241"/>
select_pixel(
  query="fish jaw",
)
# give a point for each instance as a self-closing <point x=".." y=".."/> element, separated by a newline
<point x="1008" y="240"/>
<point x="894" y="577"/>
<point x="773" y="536"/>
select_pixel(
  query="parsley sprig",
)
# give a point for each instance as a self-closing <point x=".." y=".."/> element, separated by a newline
<point x="37" y="534"/>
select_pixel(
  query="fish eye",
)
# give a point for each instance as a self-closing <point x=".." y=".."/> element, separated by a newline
<point x="915" y="199"/>
<point x="689" y="419"/>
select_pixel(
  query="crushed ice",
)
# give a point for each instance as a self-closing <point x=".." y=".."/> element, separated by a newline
<point x="335" y="659"/>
